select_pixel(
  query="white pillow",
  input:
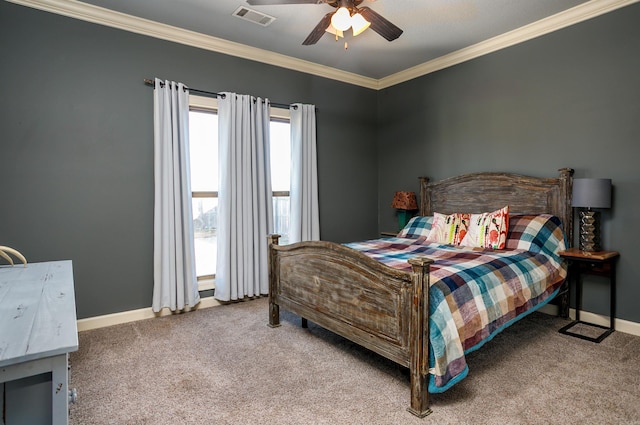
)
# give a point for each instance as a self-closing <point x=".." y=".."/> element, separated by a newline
<point x="488" y="230"/>
<point x="448" y="229"/>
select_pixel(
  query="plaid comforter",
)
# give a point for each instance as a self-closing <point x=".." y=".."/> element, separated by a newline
<point x="475" y="293"/>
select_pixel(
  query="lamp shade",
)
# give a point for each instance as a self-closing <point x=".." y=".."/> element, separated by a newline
<point x="404" y="201"/>
<point x="331" y="30"/>
<point x="591" y="193"/>
<point x="359" y="24"/>
<point x="341" y="19"/>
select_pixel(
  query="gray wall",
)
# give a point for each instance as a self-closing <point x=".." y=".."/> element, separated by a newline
<point x="76" y="146"/>
<point x="567" y="99"/>
<point x="76" y="138"/>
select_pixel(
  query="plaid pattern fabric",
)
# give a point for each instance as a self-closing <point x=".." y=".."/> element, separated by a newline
<point x="416" y="227"/>
<point x="475" y="292"/>
<point x="532" y="233"/>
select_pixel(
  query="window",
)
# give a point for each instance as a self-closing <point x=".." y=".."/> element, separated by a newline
<point x="280" y="139"/>
<point x="203" y="144"/>
<point x="203" y="141"/>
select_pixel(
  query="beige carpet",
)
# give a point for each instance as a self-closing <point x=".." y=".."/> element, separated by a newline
<point x="223" y="365"/>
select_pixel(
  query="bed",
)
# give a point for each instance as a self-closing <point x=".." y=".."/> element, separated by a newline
<point x="394" y="295"/>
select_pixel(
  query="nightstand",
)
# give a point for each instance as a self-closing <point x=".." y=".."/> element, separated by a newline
<point x="388" y="234"/>
<point x="599" y="263"/>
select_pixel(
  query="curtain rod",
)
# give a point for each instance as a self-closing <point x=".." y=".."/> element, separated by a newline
<point x="152" y="83"/>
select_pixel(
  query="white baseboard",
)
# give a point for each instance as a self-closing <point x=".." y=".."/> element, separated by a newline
<point x="625" y="326"/>
<point x="134" y="315"/>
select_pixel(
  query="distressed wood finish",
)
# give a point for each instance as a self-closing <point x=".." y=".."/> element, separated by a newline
<point x="384" y="309"/>
<point x="481" y="192"/>
<point x="419" y="337"/>
<point x="346" y="292"/>
<point x="37" y="311"/>
<point x="38" y="327"/>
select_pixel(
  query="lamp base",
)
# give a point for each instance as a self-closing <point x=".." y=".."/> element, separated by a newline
<point x="589" y="231"/>
<point x="403" y="218"/>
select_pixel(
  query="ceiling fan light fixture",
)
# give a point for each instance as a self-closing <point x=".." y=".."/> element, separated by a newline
<point x="359" y="24"/>
<point x="331" y="30"/>
<point x="341" y="20"/>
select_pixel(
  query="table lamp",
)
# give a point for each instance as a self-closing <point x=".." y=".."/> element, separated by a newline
<point x="405" y="203"/>
<point x="588" y="194"/>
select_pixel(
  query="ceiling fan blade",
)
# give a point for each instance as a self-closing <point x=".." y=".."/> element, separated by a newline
<point x="272" y="2"/>
<point x="318" y="31"/>
<point x="380" y="24"/>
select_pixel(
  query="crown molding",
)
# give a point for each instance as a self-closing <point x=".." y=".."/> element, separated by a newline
<point x="99" y="15"/>
<point x="544" y="26"/>
<point x="90" y="13"/>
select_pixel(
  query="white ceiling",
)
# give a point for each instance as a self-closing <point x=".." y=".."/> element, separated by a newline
<point x="433" y="29"/>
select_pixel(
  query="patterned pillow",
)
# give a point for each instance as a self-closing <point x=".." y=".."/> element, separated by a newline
<point x="537" y="233"/>
<point x="448" y="229"/>
<point x="416" y="227"/>
<point x="488" y="230"/>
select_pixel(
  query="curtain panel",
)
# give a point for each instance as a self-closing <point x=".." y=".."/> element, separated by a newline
<point x="304" y="215"/>
<point x="245" y="208"/>
<point x="175" y="283"/>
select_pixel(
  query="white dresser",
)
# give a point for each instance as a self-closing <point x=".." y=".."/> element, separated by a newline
<point x="37" y="332"/>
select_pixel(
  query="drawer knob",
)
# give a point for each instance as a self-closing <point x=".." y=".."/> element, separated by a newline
<point x="73" y="395"/>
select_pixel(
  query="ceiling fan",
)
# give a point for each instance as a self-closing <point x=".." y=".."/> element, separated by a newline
<point x="347" y="15"/>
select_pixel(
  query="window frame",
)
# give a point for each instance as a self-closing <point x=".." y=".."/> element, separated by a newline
<point x="210" y="104"/>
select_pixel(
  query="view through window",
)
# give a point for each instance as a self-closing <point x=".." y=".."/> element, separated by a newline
<point x="203" y="141"/>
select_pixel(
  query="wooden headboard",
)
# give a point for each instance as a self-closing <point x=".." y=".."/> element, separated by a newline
<point x="481" y="192"/>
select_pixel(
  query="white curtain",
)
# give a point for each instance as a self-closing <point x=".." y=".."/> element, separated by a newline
<point x="305" y="221"/>
<point x="245" y="209"/>
<point x="175" y="282"/>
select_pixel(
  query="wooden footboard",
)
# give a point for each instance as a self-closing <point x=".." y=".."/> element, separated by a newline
<point x="383" y="309"/>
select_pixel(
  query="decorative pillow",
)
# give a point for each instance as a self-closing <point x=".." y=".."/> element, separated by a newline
<point x="537" y="233"/>
<point x="488" y="230"/>
<point x="448" y="229"/>
<point x="416" y="227"/>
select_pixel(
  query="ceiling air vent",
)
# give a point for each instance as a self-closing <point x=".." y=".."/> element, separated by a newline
<point x="253" y="16"/>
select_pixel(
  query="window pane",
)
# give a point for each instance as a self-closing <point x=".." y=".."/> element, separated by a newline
<point x="281" y="218"/>
<point x="205" y="225"/>
<point x="280" y="176"/>
<point x="203" y="145"/>
<point x="280" y="156"/>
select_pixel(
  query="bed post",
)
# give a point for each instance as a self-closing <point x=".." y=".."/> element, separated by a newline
<point x="419" y="337"/>
<point x="425" y="204"/>
<point x="566" y="188"/>
<point x="274" y="309"/>
<point x="566" y="194"/>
